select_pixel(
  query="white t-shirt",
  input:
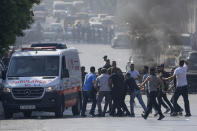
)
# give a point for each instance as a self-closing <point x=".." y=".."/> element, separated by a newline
<point x="181" y="79"/>
<point x="134" y="74"/>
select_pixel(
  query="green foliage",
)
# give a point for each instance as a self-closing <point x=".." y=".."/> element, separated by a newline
<point x="15" y="16"/>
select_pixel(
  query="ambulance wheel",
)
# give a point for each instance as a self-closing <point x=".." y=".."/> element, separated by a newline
<point x="27" y="113"/>
<point x="8" y="114"/>
<point x="59" y="110"/>
<point x="76" y="108"/>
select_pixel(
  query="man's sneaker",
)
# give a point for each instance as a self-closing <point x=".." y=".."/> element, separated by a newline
<point x="161" y="117"/>
<point x="188" y="115"/>
<point x="132" y="115"/>
<point x="83" y="115"/>
<point x="128" y="114"/>
<point x="99" y="115"/>
<point x="174" y="114"/>
<point x="180" y="113"/>
<point x="144" y="116"/>
<point x="167" y="110"/>
<point x="156" y="114"/>
<point x="92" y="114"/>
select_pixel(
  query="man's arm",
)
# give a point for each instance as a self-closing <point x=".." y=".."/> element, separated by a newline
<point x="170" y="78"/>
<point x="110" y="83"/>
<point x="143" y="83"/>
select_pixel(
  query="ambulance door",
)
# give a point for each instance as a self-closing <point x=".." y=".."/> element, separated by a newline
<point x="65" y="76"/>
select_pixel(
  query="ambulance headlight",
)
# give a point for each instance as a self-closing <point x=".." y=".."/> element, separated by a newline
<point x="6" y="90"/>
<point x="50" y="88"/>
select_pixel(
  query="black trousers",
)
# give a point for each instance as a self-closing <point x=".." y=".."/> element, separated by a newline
<point x="117" y="102"/>
<point x="163" y="97"/>
<point x="184" y="92"/>
<point x="152" y="102"/>
<point x="179" y="108"/>
<point x="123" y="105"/>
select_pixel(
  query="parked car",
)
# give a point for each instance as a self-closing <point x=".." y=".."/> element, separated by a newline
<point x="121" y="40"/>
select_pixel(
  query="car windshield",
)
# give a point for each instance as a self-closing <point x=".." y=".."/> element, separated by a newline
<point x="27" y="66"/>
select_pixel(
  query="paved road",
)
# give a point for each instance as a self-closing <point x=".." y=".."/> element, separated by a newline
<point x="47" y="121"/>
<point x="92" y="55"/>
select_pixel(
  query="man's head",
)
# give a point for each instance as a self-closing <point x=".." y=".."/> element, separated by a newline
<point x="103" y="71"/>
<point x="158" y="69"/>
<point x="83" y="69"/>
<point x="99" y="71"/>
<point x="162" y="67"/>
<point x="105" y="58"/>
<point x="152" y="70"/>
<point x="181" y="63"/>
<point x="92" y="69"/>
<point x="114" y="64"/>
<point x="146" y="68"/>
<point x="128" y="75"/>
<point x="172" y="70"/>
<point x="132" y="67"/>
<point x="108" y="61"/>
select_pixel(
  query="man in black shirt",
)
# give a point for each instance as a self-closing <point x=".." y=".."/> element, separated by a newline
<point x="164" y="74"/>
<point x="116" y="82"/>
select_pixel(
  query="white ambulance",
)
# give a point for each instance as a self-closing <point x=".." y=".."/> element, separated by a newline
<point x="42" y="79"/>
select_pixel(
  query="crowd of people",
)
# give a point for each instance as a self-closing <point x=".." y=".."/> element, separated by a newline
<point x="113" y="85"/>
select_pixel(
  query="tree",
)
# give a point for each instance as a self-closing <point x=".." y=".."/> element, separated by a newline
<point x="15" y="16"/>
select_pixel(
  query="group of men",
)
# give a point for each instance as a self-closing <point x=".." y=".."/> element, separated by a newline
<point x="111" y="84"/>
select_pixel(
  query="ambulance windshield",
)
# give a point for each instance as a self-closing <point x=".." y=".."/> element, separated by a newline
<point x="28" y="66"/>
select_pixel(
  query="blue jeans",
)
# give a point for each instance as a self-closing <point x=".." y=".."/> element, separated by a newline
<point x="136" y="93"/>
<point x="86" y="95"/>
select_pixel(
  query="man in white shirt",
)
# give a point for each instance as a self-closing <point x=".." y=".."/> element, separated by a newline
<point x="181" y="87"/>
<point x="137" y="92"/>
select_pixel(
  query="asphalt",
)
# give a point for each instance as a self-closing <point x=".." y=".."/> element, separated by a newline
<point x="43" y="121"/>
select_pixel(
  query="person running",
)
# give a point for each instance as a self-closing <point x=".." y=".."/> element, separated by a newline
<point x="137" y="91"/>
<point x="164" y="74"/>
<point x="160" y="92"/>
<point x="146" y="75"/>
<point x="131" y="86"/>
<point x="153" y="83"/>
<point x="181" y="87"/>
<point x="161" y="96"/>
<point x="89" y="92"/>
<point x="102" y="83"/>
<point x="173" y="87"/>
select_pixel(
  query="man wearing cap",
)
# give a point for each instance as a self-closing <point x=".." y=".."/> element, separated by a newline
<point x="105" y="58"/>
<point x="107" y="64"/>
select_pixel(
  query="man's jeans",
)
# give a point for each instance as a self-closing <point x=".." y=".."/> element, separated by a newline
<point x="136" y="93"/>
<point x="107" y="95"/>
<point x="86" y="95"/>
<point x="184" y="92"/>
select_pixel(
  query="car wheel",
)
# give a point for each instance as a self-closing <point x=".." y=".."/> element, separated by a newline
<point x="59" y="110"/>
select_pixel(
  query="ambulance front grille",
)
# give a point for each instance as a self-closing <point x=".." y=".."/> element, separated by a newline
<point x="30" y="92"/>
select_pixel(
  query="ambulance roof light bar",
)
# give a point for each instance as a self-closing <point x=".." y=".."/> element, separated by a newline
<point x="39" y="48"/>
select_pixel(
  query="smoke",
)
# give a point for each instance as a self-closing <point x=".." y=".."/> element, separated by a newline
<point x="154" y="22"/>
